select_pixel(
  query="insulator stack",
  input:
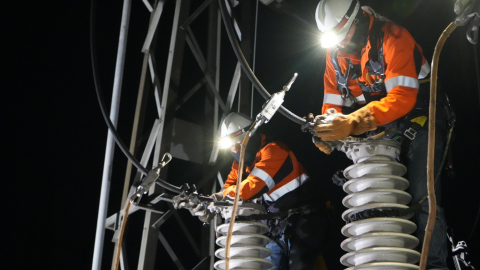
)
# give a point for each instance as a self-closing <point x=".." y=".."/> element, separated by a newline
<point x="377" y="225"/>
<point x="247" y="248"/>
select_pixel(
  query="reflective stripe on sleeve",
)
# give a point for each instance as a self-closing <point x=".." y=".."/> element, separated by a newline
<point x="336" y="99"/>
<point x="361" y="99"/>
<point x="401" y="81"/>
<point x="424" y="71"/>
<point x="333" y="99"/>
<point x="264" y="176"/>
<point x="293" y="184"/>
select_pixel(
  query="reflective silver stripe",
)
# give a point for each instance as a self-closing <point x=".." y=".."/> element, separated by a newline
<point x="401" y="81"/>
<point x="286" y="188"/>
<point x="264" y="176"/>
<point x="424" y="71"/>
<point x="348" y="102"/>
<point x="333" y="99"/>
<point x="361" y="99"/>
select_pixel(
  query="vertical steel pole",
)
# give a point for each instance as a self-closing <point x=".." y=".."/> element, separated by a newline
<point x="254" y="57"/>
<point x="107" y="169"/>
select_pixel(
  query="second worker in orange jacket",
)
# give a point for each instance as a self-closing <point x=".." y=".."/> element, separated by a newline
<point x="273" y="175"/>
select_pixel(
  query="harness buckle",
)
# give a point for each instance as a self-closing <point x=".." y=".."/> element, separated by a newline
<point x="345" y="91"/>
<point x="410" y="133"/>
<point x="379" y="77"/>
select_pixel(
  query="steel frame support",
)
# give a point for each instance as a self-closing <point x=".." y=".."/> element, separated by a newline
<point x="124" y="257"/>
<point x="161" y="134"/>
<point x="153" y="26"/>
<point x="193" y="44"/>
<point x="141" y="101"/>
<point x="170" y="251"/>
<point x="187" y="233"/>
<point x="172" y="79"/>
<point x="107" y="169"/>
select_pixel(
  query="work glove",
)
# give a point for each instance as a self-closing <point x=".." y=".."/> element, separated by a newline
<point x="180" y="202"/>
<point x="202" y="212"/>
<point x="230" y="191"/>
<point x="325" y="148"/>
<point x="218" y="196"/>
<point x="342" y="126"/>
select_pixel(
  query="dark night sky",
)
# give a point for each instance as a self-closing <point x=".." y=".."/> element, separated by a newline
<point x="54" y="135"/>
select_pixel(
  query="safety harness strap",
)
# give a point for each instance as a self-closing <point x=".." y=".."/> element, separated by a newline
<point x="376" y="63"/>
<point x="342" y="79"/>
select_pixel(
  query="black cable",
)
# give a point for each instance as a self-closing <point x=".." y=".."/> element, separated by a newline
<point x="101" y="102"/>
<point x="246" y="68"/>
<point x="93" y="55"/>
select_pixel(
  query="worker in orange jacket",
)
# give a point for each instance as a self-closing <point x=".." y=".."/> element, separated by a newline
<point x="273" y="175"/>
<point x="374" y="76"/>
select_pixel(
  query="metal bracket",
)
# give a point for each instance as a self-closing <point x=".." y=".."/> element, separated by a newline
<point x="410" y="133"/>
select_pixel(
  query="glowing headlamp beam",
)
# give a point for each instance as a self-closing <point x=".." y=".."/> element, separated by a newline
<point x="225" y="142"/>
<point x="328" y="39"/>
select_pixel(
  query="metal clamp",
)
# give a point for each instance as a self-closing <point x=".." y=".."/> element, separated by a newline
<point x="164" y="161"/>
<point x="151" y="177"/>
<point x="410" y="133"/>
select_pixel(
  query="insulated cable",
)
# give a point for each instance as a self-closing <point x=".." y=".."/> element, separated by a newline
<point x="118" y="245"/>
<point x="246" y="68"/>
<point x="237" y="196"/>
<point x="101" y="101"/>
<point x="96" y="80"/>
<point x="432" y="201"/>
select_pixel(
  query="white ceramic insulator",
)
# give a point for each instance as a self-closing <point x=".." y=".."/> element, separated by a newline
<point x="376" y="182"/>
<point x="247" y="247"/>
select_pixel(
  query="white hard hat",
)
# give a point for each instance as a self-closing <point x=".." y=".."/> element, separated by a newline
<point x="233" y="129"/>
<point x="334" y="19"/>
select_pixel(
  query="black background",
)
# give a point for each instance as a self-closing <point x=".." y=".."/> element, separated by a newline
<point x="54" y="136"/>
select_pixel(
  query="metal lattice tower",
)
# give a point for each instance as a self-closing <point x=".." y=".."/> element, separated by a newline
<point x="166" y="128"/>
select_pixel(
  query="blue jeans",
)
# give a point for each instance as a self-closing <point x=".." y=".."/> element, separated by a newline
<point x="416" y="162"/>
<point x="277" y="256"/>
<point x="307" y="238"/>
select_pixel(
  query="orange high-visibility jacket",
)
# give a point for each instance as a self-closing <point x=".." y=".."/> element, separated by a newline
<point x="274" y="172"/>
<point x="402" y="71"/>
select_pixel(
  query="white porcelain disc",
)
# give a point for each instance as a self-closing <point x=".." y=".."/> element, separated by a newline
<point x="368" y="168"/>
<point x="247" y="251"/>
<point x="385" y="266"/>
<point x="244" y="240"/>
<point x="382" y="239"/>
<point x="373" y="150"/>
<point x="385" y="224"/>
<point x="370" y="206"/>
<point x="377" y="196"/>
<point x="244" y="263"/>
<point x="380" y="254"/>
<point x="376" y="181"/>
<point x="244" y="227"/>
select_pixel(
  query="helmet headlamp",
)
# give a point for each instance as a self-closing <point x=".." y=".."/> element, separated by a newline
<point x="229" y="140"/>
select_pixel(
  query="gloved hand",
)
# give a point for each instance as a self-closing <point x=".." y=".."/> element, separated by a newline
<point x="180" y="202"/>
<point x="202" y="212"/>
<point x="325" y="148"/>
<point x="218" y="196"/>
<point x="230" y="191"/>
<point x="342" y="126"/>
